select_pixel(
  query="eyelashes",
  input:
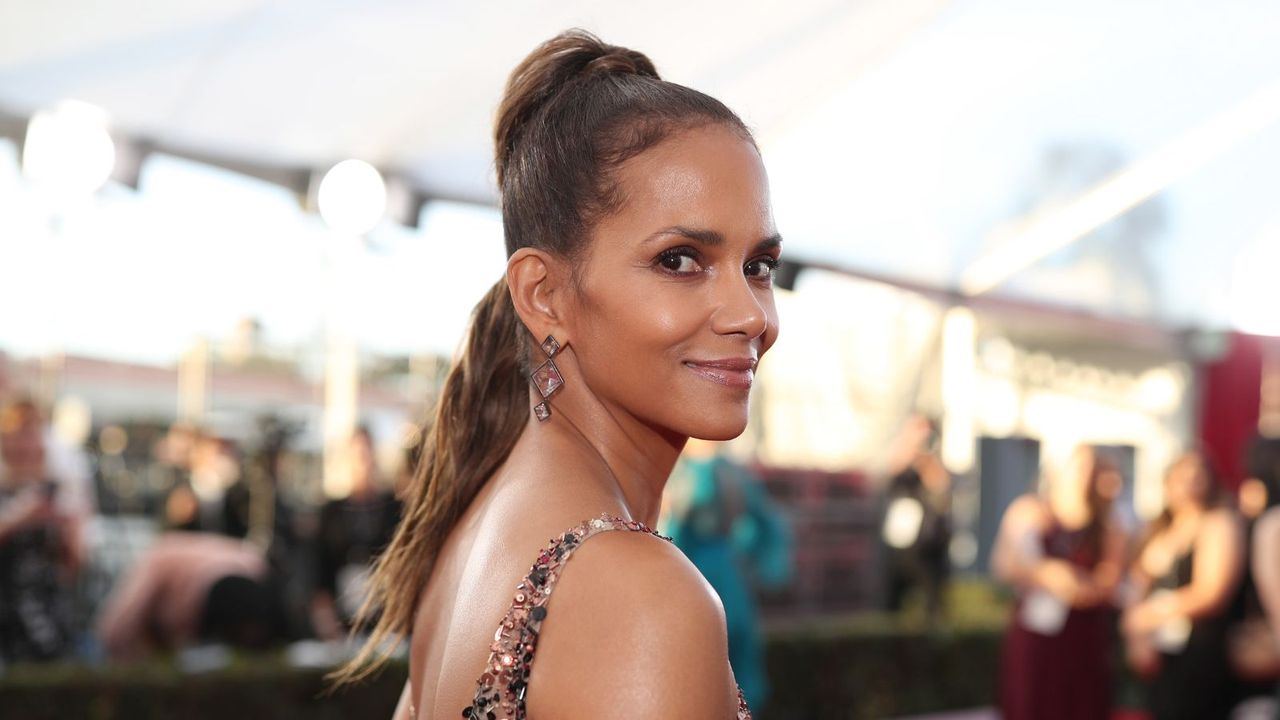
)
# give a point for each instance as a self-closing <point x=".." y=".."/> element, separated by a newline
<point x="679" y="261"/>
<point x="770" y="264"/>
<point x="686" y="262"/>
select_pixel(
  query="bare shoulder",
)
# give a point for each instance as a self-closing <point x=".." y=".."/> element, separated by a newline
<point x="633" y="630"/>
<point x="1266" y="551"/>
<point x="1221" y="522"/>
<point x="1027" y="511"/>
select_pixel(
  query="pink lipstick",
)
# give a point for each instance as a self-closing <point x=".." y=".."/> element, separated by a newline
<point x="736" y="373"/>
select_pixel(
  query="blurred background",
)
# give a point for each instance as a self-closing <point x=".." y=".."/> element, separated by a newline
<point x="239" y="242"/>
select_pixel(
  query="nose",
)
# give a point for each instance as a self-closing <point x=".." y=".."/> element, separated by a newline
<point x="739" y="310"/>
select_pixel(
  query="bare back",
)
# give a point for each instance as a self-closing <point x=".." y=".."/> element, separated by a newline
<point x="490" y="551"/>
<point x="483" y="560"/>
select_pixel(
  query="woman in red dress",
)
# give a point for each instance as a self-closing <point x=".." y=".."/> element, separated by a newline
<point x="1064" y="554"/>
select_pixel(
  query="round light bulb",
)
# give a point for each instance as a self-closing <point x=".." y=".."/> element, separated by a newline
<point x="68" y="149"/>
<point x="352" y="197"/>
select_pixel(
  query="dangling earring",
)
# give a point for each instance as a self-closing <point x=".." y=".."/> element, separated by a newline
<point x="546" y="378"/>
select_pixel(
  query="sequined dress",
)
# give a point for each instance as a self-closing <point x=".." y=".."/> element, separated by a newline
<point x="500" y="691"/>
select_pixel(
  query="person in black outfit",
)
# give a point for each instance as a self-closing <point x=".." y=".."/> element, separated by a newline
<point x="351" y="533"/>
<point x="38" y="550"/>
<point x="1264" y="466"/>
<point x="1189" y="569"/>
<point x="1254" y="654"/>
<point x="254" y="507"/>
<point x="917" y="527"/>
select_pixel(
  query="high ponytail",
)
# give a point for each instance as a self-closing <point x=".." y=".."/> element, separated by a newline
<point x="574" y="111"/>
<point x="565" y="59"/>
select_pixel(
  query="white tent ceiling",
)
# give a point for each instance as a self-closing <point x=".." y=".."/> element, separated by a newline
<point x="899" y="134"/>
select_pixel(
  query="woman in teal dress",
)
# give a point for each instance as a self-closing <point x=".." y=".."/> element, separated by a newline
<point x="722" y="519"/>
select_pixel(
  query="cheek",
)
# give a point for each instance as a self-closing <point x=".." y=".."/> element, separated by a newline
<point x="631" y="336"/>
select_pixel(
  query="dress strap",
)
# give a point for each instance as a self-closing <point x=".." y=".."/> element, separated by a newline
<point x="500" y="691"/>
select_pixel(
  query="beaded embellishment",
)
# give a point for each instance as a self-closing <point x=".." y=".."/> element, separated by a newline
<point x="500" y="691"/>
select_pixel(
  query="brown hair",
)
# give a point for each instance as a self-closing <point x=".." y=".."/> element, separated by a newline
<point x="574" y="111"/>
<point x="1100" y="499"/>
<point x="1216" y="496"/>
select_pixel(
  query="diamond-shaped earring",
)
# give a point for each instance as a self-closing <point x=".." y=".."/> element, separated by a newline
<point x="551" y="346"/>
<point x="546" y="378"/>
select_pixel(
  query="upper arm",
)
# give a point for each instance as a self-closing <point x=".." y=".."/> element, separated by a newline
<point x="122" y="625"/>
<point x="1024" y="515"/>
<point x="633" y="631"/>
<point x="1219" y="559"/>
<point x="1266" y="564"/>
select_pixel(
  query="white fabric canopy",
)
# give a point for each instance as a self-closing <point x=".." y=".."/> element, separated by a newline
<point x="899" y="134"/>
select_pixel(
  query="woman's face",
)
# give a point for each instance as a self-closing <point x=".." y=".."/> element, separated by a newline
<point x="22" y="445"/>
<point x="675" y="303"/>
<point x="1186" y="484"/>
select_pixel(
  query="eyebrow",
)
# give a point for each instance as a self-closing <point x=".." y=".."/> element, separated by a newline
<point x="711" y="237"/>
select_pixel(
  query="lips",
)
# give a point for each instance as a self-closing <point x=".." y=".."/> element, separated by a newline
<point x="735" y="373"/>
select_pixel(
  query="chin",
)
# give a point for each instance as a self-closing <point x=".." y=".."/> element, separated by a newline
<point x="719" y="436"/>
<point x="725" y="425"/>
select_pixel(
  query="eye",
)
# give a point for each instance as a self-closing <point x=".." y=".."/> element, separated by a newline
<point x="680" y="261"/>
<point x="762" y="267"/>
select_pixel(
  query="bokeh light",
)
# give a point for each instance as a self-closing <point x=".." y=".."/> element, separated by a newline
<point x="352" y="197"/>
<point x="68" y="149"/>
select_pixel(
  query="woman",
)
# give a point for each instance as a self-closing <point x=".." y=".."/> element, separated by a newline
<point x="1064" y="553"/>
<point x="350" y="532"/>
<point x="1264" y="468"/>
<point x="719" y="514"/>
<point x="41" y="547"/>
<point x="638" y="301"/>
<point x="1188" y="572"/>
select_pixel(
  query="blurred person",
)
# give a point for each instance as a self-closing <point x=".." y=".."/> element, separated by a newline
<point x="916" y="528"/>
<point x="171" y="459"/>
<point x="253" y="506"/>
<point x="721" y="518"/>
<point x="351" y="533"/>
<point x="41" y="542"/>
<point x="190" y="588"/>
<point x="1187" y="574"/>
<point x="1251" y="646"/>
<point x="636" y="303"/>
<point x="1264" y="467"/>
<point x="1064" y="553"/>
<point x="196" y="503"/>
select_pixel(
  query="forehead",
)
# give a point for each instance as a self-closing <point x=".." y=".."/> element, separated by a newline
<point x="707" y="176"/>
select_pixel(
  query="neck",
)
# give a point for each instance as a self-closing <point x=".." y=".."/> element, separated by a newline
<point x="1072" y="513"/>
<point x="1188" y="513"/>
<point x="629" y="457"/>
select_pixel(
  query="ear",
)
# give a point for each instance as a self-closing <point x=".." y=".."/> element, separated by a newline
<point x="535" y="279"/>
